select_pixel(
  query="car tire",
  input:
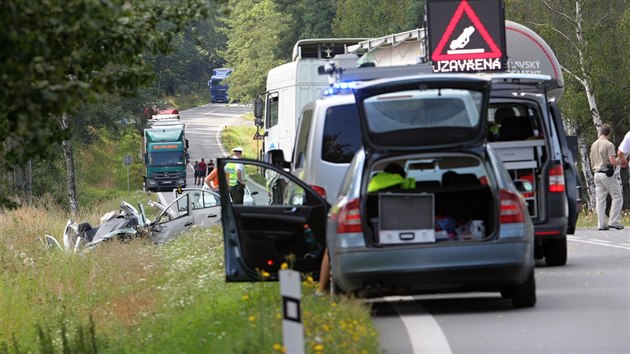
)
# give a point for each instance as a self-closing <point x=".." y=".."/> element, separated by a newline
<point x="524" y="295"/>
<point x="555" y="252"/>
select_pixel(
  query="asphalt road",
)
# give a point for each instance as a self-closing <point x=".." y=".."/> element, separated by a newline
<point x="203" y="125"/>
<point x="583" y="307"/>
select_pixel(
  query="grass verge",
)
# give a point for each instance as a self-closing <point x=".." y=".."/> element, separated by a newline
<point x="137" y="297"/>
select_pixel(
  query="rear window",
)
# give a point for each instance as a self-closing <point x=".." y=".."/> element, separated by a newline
<point x="342" y="134"/>
<point x="447" y="170"/>
<point x="414" y="109"/>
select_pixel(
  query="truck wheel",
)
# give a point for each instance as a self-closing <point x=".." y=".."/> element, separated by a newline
<point x="524" y="295"/>
<point x="556" y="252"/>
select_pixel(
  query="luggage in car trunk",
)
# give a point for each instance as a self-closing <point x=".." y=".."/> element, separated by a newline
<point x="457" y="207"/>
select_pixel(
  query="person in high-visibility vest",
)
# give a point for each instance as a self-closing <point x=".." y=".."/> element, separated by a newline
<point x="236" y="178"/>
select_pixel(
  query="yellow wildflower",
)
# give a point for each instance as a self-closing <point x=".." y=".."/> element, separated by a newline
<point x="245" y="297"/>
<point x="318" y="347"/>
<point x="325" y="328"/>
<point x="252" y="318"/>
<point x="279" y="348"/>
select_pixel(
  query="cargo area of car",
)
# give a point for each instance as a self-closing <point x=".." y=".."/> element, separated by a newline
<point x="449" y="195"/>
<point x="517" y="135"/>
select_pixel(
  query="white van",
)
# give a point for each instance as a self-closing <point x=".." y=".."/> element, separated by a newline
<point x="328" y="137"/>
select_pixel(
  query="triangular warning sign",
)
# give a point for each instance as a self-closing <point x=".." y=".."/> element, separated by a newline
<point x="257" y="136"/>
<point x="464" y="7"/>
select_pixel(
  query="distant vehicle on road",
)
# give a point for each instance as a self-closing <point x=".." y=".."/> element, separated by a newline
<point x="165" y="155"/>
<point x="217" y="86"/>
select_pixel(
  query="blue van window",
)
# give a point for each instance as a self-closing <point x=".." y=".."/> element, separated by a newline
<point x="342" y="134"/>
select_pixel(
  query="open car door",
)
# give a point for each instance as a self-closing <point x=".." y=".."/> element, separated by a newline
<point x="286" y="224"/>
<point x="192" y="207"/>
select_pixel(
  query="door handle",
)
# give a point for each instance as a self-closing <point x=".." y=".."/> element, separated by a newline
<point x="212" y="216"/>
<point x="290" y="210"/>
<point x="188" y="224"/>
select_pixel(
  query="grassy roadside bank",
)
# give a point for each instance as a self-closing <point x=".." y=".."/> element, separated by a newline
<point x="137" y="297"/>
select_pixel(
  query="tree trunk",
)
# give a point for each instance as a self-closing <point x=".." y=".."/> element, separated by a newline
<point x="70" y="177"/>
<point x="586" y="170"/>
<point x="592" y="103"/>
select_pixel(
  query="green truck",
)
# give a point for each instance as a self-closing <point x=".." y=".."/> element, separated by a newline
<point x="165" y="157"/>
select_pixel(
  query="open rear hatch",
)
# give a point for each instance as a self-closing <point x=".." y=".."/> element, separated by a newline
<point x="425" y="112"/>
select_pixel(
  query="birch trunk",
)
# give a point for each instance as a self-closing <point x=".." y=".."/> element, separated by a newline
<point x="70" y="176"/>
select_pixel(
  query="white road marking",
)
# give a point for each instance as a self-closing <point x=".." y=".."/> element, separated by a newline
<point x="604" y="243"/>
<point x="424" y="332"/>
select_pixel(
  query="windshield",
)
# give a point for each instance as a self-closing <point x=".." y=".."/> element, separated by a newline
<point x="217" y="82"/>
<point x="431" y="108"/>
<point x="166" y="158"/>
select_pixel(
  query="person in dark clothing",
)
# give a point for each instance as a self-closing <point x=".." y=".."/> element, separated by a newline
<point x="196" y="170"/>
<point x="210" y="166"/>
<point x="202" y="167"/>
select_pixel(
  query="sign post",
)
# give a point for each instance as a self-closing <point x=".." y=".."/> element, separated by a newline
<point x="466" y="35"/>
<point x="128" y="161"/>
<point x="292" y="328"/>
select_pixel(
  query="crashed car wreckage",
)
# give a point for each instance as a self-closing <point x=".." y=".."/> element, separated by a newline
<point x="191" y="207"/>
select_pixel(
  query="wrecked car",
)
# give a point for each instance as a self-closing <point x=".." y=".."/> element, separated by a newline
<point x="191" y="206"/>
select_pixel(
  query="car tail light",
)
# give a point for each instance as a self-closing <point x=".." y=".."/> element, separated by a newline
<point x="320" y="190"/>
<point x="349" y="218"/>
<point x="529" y="178"/>
<point x="511" y="207"/>
<point x="556" y="179"/>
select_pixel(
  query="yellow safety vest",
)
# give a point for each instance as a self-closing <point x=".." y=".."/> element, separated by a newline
<point x="384" y="180"/>
<point x="231" y="169"/>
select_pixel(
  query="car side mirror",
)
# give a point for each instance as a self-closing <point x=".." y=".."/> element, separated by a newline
<point x="258" y="111"/>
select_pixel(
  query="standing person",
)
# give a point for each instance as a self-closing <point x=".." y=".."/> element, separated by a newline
<point x="210" y="166"/>
<point x="623" y="152"/>
<point x="603" y="160"/>
<point x="237" y="175"/>
<point x="196" y="168"/>
<point x="201" y="170"/>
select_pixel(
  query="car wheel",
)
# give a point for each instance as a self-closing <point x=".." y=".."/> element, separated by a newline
<point x="539" y="252"/>
<point x="556" y="252"/>
<point x="524" y="295"/>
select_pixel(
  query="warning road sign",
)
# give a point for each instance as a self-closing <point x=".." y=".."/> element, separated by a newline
<point x="466" y="35"/>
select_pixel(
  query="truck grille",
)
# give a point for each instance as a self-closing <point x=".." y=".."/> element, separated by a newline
<point x="166" y="175"/>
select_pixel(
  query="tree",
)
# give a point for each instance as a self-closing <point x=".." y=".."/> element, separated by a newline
<point x="195" y="51"/>
<point x="309" y="19"/>
<point x="582" y="34"/>
<point x="374" y="18"/>
<point x="57" y="55"/>
<point x="251" y="53"/>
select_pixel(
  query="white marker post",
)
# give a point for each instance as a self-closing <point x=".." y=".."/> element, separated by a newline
<point x="292" y="329"/>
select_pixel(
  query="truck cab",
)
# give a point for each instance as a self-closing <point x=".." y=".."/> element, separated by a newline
<point x="165" y="157"/>
<point x="217" y="85"/>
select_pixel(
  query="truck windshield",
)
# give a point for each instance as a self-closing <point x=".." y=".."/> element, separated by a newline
<point x="166" y="158"/>
<point x="217" y="83"/>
